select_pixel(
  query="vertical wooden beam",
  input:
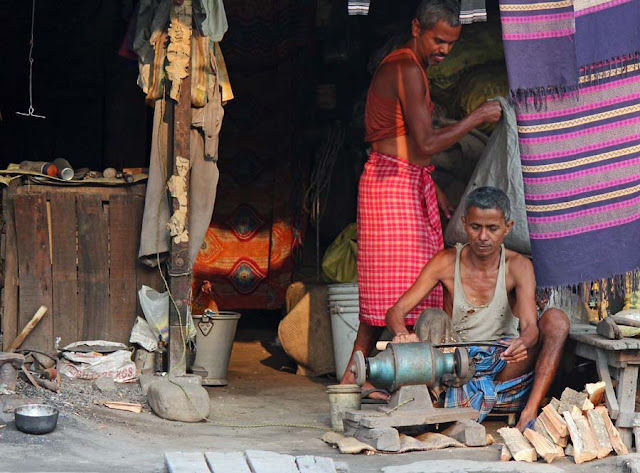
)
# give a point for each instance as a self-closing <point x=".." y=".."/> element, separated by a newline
<point x="34" y="268"/>
<point x="10" y="289"/>
<point x="122" y="262"/>
<point x="65" y="308"/>
<point x="179" y="265"/>
<point x="93" y="267"/>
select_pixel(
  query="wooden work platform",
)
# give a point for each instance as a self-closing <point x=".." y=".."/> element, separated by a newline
<point x="251" y="461"/>
<point x="74" y="250"/>
<point x="617" y="359"/>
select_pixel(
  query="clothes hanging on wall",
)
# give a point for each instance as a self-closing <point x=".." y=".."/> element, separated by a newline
<point x="207" y="114"/>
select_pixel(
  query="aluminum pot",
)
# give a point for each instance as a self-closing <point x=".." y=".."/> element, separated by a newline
<point x="36" y="418"/>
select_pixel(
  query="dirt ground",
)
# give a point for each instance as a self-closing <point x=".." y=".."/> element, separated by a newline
<point x="263" y="388"/>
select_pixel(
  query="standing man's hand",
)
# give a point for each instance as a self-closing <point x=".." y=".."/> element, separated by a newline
<point x="445" y="206"/>
<point x="516" y="351"/>
<point x="405" y="338"/>
<point x="489" y="112"/>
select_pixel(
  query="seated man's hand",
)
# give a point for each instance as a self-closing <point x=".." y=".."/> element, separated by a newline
<point x="516" y="351"/>
<point x="405" y="338"/>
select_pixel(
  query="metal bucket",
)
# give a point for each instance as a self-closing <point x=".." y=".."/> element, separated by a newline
<point x="214" y="340"/>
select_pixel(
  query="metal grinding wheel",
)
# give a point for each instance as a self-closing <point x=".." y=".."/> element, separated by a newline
<point x="464" y="366"/>
<point x="359" y="368"/>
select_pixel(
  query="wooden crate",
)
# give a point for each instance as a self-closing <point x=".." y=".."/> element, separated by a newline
<point x="72" y="249"/>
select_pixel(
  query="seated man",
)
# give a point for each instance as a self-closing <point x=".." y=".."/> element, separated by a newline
<point x="489" y="295"/>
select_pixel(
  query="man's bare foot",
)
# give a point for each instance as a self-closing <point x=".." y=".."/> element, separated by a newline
<point x="348" y="377"/>
<point x="374" y="394"/>
<point x="525" y="420"/>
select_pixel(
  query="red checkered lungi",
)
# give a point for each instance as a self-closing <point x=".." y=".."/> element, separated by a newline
<point x="399" y="231"/>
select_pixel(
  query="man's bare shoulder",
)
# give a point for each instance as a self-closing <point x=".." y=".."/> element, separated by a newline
<point x="445" y="259"/>
<point x="400" y="70"/>
<point x="517" y="263"/>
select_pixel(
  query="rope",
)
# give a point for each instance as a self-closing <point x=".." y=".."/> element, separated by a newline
<point x="31" y="110"/>
<point x="320" y="181"/>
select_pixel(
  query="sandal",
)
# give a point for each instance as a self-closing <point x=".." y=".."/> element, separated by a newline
<point x="365" y="399"/>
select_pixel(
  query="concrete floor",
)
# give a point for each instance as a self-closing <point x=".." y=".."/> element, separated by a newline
<point x="263" y="388"/>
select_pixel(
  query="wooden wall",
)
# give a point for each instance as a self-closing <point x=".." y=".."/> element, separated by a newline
<point x="72" y="249"/>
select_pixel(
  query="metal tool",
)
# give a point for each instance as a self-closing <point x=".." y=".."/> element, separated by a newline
<point x="407" y="371"/>
<point x="402" y="364"/>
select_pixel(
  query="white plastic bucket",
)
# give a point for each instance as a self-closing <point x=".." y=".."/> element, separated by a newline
<point x="346" y="288"/>
<point x="344" y="310"/>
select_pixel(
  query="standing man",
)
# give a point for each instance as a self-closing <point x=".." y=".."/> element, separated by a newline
<point x="398" y="220"/>
<point x="489" y="295"/>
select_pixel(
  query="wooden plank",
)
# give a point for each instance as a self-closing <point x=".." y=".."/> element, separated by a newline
<point x="122" y="261"/>
<point x="93" y="267"/>
<point x="518" y="445"/>
<point x="34" y="268"/>
<point x="602" y="367"/>
<point x="614" y="436"/>
<point x="571" y="397"/>
<point x="10" y="259"/>
<point x="270" y="462"/>
<point x="539" y="427"/>
<point x="545" y="448"/>
<point x="627" y="385"/>
<point x="311" y="464"/>
<point x="558" y="439"/>
<point x="405" y="419"/>
<point x="134" y="407"/>
<point x="600" y="430"/>
<point x="66" y="323"/>
<point x="554" y="419"/>
<point x="505" y="454"/>
<point x="581" y="447"/>
<point x="186" y="462"/>
<point x="595" y="391"/>
<point x="227" y="462"/>
<point x="587" y="334"/>
<point x="103" y="192"/>
<point x="586" y="432"/>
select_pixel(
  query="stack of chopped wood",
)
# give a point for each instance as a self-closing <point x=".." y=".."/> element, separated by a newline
<point x="577" y="425"/>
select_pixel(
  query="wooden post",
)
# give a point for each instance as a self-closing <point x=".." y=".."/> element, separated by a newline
<point x="179" y="265"/>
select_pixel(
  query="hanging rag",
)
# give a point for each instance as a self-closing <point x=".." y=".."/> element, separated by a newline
<point x="206" y="120"/>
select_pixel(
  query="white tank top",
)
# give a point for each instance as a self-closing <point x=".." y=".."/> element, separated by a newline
<point x="491" y="321"/>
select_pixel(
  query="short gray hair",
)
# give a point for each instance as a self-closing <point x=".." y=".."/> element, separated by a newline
<point x="488" y="198"/>
<point x="430" y="12"/>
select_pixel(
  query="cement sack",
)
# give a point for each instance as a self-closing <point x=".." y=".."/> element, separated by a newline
<point x="499" y="166"/>
<point x="305" y="332"/>
<point x="88" y="363"/>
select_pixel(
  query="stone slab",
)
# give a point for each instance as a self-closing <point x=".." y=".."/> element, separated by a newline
<point x="186" y="462"/>
<point x="227" y="462"/>
<point x="270" y="462"/>
<point x="311" y="464"/>
<point x="468" y="466"/>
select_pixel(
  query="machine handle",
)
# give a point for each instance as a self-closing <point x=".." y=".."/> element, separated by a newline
<point x="382" y="345"/>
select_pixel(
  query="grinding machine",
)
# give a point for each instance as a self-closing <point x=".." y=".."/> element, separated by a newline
<point x="407" y="371"/>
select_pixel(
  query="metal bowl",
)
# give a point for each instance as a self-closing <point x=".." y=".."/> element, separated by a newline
<point x="36" y="418"/>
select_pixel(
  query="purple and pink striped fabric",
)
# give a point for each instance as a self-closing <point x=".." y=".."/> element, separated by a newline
<point x="574" y="71"/>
